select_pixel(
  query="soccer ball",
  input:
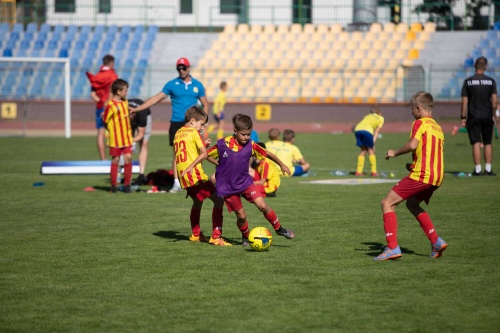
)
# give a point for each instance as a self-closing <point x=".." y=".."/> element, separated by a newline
<point x="260" y="239"/>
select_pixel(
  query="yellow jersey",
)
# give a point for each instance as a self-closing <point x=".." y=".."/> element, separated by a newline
<point x="187" y="145"/>
<point x="286" y="152"/>
<point x="117" y="120"/>
<point x="219" y="103"/>
<point x="370" y="123"/>
<point x="268" y="171"/>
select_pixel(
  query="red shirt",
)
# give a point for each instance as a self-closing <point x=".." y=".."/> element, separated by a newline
<point x="101" y="83"/>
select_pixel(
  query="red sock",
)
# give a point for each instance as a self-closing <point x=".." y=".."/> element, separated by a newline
<point x="127" y="174"/>
<point x="195" y="221"/>
<point x="244" y="229"/>
<point x="427" y="226"/>
<point x="216" y="222"/>
<point x="114" y="174"/>
<point x="273" y="219"/>
<point x="391" y="229"/>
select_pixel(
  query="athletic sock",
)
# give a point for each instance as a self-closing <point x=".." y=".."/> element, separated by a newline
<point x="127" y="174"/>
<point x="220" y="134"/>
<point x="216" y="222"/>
<point x="462" y="130"/>
<point x="427" y="226"/>
<point x="113" y="174"/>
<point x="391" y="229"/>
<point x="373" y="163"/>
<point x="495" y="129"/>
<point x="244" y="229"/>
<point x="478" y="168"/>
<point x="487" y="167"/>
<point x="176" y="182"/>
<point x="361" y="164"/>
<point x="195" y="221"/>
<point x="273" y="219"/>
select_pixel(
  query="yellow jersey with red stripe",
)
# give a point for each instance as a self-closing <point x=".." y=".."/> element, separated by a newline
<point x="187" y="145"/>
<point x="231" y="142"/>
<point x="268" y="171"/>
<point x="428" y="163"/>
<point x="219" y="103"/>
<point x="116" y="117"/>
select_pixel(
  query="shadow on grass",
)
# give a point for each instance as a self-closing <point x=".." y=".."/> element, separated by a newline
<point x="172" y="235"/>
<point x="376" y="248"/>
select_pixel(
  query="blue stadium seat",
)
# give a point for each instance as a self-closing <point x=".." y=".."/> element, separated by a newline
<point x="476" y="53"/>
<point x="135" y="90"/>
<point x="99" y="30"/>
<point x="63" y="53"/>
<point x="496" y="26"/>
<point x="50" y="53"/>
<point x="134" y="45"/>
<point x="18" y="27"/>
<point x="80" y="45"/>
<point x="36" y="53"/>
<point x="123" y="37"/>
<point x="107" y="46"/>
<point x="93" y="45"/>
<point x="7" y="52"/>
<point x="70" y="36"/>
<point x="113" y="29"/>
<point x="39" y="45"/>
<point x="22" y="53"/>
<point x="143" y="63"/>
<point x="28" y="36"/>
<point x="129" y="63"/>
<point x="126" y="29"/>
<point x="14" y="35"/>
<point x="58" y="29"/>
<point x="25" y="45"/>
<point x="45" y="28"/>
<point x="6" y="90"/>
<point x="72" y="29"/>
<point x="4" y="27"/>
<point x="153" y="29"/>
<point x="469" y="63"/>
<point x="74" y="62"/>
<point x="85" y="29"/>
<point x="139" y="29"/>
<point x="66" y="45"/>
<point x="445" y="92"/>
<point x="137" y="38"/>
<point x="52" y="45"/>
<point x="31" y="27"/>
<point x="42" y="36"/>
<point x="490" y="53"/>
<point x="21" y="91"/>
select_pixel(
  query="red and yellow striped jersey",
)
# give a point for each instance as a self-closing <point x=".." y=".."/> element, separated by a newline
<point x="257" y="151"/>
<point x="428" y="162"/>
<point x="187" y="144"/>
<point x="268" y="171"/>
<point x="117" y="121"/>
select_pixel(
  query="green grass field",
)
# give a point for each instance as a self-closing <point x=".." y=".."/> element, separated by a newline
<point x="73" y="261"/>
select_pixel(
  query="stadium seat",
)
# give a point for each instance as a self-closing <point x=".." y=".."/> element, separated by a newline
<point x="113" y="29"/>
<point x="25" y="45"/>
<point x="99" y="30"/>
<point x="39" y="45"/>
<point x="389" y="27"/>
<point x="430" y="26"/>
<point x="7" y="52"/>
<point x="18" y="27"/>
<point x="63" y="53"/>
<point x="28" y="36"/>
<point x="85" y="29"/>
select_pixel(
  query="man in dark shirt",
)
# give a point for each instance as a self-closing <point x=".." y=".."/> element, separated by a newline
<point x="479" y="100"/>
<point x="141" y="128"/>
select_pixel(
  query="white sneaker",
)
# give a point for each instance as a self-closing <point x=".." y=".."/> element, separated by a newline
<point x="175" y="189"/>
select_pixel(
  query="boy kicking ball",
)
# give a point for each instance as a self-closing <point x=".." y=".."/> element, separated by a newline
<point x="426" y="175"/>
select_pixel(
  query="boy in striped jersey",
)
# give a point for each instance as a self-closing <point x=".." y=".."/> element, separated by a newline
<point x="188" y="144"/>
<point x="117" y="120"/>
<point x="426" y="175"/>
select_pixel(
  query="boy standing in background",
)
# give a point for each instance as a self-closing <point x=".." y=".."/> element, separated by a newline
<point x="366" y="132"/>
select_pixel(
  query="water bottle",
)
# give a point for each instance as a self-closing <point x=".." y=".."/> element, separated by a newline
<point x="383" y="175"/>
<point x="461" y="174"/>
<point x="340" y="173"/>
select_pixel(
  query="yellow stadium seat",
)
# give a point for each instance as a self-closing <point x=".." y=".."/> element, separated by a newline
<point x="372" y="54"/>
<point x="392" y="45"/>
<point x="352" y="63"/>
<point x="255" y="29"/>
<point x="389" y="27"/>
<point x="243" y="28"/>
<point x="357" y="36"/>
<point x="375" y="27"/>
<point x="345" y="54"/>
<point x="245" y="63"/>
<point x="369" y="82"/>
<point x="405" y="45"/>
<point x="402" y="27"/>
<point x="386" y="54"/>
<point x="309" y="28"/>
<point x="397" y="35"/>
<point x="269" y="29"/>
<point x="351" y="45"/>
<point x="335" y="28"/>
<point x="424" y="35"/>
<point x="282" y="28"/>
<point x="430" y="27"/>
<point x="419" y="45"/>
<point x="339" y="63"/>
<point x="359" y="54"/>
<point x="296" y="28"/>
<point x="416" y="27"/>
<point x="407" y="62"/>
<point x="383" y="36"/>
<point x="394" y="63"/>
<point x="380" y="63"/>
<point x="366" y="63"/>
<point x="410" y="36"/>
<point x="343" y="37"/>
<point x="378" y="45"/>
<point x="365" y="45"/>
<point x="322" y="29"/>
<point x="413" y="54"/>
<point x="400" y="54"/>
<point x="230" y="28"/>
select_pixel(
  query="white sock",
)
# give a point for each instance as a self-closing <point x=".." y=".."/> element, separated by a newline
<point x="176" y="182"/>
<point x="487" y="167"/>
<point x="478" y="168"/>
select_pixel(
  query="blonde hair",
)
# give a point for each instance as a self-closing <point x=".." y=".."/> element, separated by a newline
<point x="423" y="99"/>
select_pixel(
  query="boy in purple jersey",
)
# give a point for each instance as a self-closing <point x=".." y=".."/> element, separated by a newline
<point x="233" y="180"/>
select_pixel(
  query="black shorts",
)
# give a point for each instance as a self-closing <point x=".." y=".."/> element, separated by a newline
<point x="174" y="127"/>
<point x="480" y="130"/>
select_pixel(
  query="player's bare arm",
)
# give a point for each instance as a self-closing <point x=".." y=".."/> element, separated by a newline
<point x="150" y="102"/>
<point x="283" y="167"/>
<point x="204" y="102"/>
<point x="94" y="96"/>
<point x="408" y="147"/>
<point x="463" y="114"/>
<point x="140" y="134"/>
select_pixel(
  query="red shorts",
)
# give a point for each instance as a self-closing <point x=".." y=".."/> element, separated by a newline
<point x="201" y="191"/>
<point x="233" y="202"/>
<point x="117" y="151"/>
<point x="407" y="188"/>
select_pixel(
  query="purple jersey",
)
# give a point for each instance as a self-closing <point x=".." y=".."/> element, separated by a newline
<point x="232" y="172"/>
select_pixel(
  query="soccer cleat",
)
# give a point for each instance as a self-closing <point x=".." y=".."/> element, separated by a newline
<point x="474" y="173"/>
<point x="287" y="233"/>
<point x="200" y="239"/>
<point x="389" y="254"/>
<point x="271" y="195"/>
<point x="219" y="242"/>
<point x="175" y="189"/>
<point x="491" y="173"/>
<point x="454" y="130"/>
<point x="127" y="189"/>
<point x="438" y="248"/>
<point x="113" y="189"/>
<point x="359" y="174"/>
<point x="244" y="241"/>
<point x="141" y="180"/>
<point x="374" y="174"/>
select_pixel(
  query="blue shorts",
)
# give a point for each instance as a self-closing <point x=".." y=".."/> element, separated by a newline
<point x="364" y="138"/>
<point x="299" y="170"/>
<point x="219" y="117"/>
<point x="99" y="123"/>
